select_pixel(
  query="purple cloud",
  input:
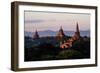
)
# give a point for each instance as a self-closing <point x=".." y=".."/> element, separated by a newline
<point x="34" y="21"/>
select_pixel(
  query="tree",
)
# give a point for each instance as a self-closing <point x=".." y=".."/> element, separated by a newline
<point x="69" y="54"/>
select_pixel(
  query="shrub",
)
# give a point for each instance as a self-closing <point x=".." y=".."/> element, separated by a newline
<point x="69" y="54"/>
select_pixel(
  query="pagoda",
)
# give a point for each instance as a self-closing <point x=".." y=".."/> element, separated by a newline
<point x="77" y="33"/>
<point x="60" y="33"/>
<point x="36" y="35"/>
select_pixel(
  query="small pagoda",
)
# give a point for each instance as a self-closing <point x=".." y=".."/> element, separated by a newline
<point x="36" y="35"/>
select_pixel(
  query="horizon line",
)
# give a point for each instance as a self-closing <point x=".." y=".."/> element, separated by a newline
<point x="53" y="30"/>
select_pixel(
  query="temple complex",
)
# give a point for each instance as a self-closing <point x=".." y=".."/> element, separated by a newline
<point x="67" y="43"/>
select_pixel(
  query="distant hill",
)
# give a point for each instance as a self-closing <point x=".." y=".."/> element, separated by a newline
<point x="53" y="33"/>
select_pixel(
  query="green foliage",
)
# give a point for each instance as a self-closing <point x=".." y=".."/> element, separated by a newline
<point x="47" y="48"/>
<point x="69" y="54"/>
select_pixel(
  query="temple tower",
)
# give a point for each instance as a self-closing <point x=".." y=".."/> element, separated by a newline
<point x="60" y="33"/>
<point x="35" y="35"/>
<point x="77" y="33"/>
<point x="77" y="30"/>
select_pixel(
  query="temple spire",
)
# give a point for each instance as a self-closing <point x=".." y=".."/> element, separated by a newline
<point x="77" y="33"/>
<point x="77" y="29"/>
<point x="35" y="35"/>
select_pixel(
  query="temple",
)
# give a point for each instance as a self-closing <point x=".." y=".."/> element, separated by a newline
<point x="77" y="33"/>
<point x="60" y="33"/>
<point x="67" y="43"/>
<point x="35" y="35"/>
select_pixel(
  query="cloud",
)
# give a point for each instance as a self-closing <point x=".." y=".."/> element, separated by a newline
<point x="34" y="21"/>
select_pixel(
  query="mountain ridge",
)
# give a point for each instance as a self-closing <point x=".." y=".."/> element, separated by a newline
<point x="53" y="33"/>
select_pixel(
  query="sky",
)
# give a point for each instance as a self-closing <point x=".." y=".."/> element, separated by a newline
<point x="53" y="21"/>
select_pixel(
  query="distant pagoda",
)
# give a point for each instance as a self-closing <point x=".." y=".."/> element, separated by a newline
<point x="36" y="35"/>
<point x="77" y="33"/>
<point x="60" y="33"/>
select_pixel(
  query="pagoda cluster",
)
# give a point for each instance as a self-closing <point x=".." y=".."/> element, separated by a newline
<point x="67" y="43"/>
